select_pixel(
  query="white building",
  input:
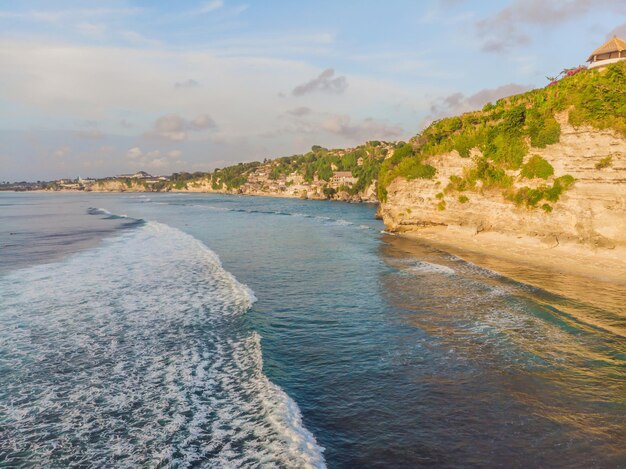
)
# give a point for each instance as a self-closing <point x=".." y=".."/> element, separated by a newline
<point x="341" y="178"/>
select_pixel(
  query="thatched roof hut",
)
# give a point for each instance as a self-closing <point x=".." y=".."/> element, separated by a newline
<point x="611" y="51"/>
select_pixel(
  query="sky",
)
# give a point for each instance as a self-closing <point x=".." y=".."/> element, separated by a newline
<point x="100" y="88"/>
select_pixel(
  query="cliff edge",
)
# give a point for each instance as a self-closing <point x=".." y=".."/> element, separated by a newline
<point x="534" y="175"/>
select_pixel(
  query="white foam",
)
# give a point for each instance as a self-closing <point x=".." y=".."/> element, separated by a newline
<point x="423" y="267"/>
<point x="142" y="333"/>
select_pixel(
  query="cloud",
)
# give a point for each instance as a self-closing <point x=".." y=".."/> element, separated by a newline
<point x="94" y="29"/>
<point x="174" y="128"/>
<point x="300" y="111"/>
<point x="134" y="153"/>
<point x="210" y="6"/>
<point x="619" y="31"/>
<point x="62" y="151"/>
<point x="458" y="103"/>
<point x="201" y="122"/>
<point x="90" y="134"/>
<point x="152" y="159"/>
<point x="122" y="85"/>
<point x="187" y="84"/>
<point x="501" y="32"/>
<point x="125" y="123"/>
<point x="367" y="129"/>
<point x="56" y="16"/>
<point x="138" y="39"/>
<point x="324" y="82"/>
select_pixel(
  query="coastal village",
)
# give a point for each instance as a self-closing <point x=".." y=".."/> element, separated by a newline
<point x="343" y="174"/>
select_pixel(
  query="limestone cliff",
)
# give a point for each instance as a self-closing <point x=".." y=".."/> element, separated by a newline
<point x="591" y="212"/>
<point x="117" y="185"/>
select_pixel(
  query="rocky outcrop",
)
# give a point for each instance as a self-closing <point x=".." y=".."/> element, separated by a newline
<point x="117" y="185"/>
<point x="592" y="212"/>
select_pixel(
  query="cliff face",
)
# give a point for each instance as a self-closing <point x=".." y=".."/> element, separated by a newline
<point x="116" y="185"/>
<point x="591" y="212"/>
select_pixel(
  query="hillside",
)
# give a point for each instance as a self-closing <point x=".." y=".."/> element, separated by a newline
<point x="341" y="174"/>
<point x="547" y="166"/>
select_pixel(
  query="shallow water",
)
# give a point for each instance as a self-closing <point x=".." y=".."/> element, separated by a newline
<point x="361" y="349"/>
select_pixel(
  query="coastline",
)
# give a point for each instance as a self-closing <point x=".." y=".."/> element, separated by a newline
<point x="517" y="257"/>
<point x="568" y="269"/>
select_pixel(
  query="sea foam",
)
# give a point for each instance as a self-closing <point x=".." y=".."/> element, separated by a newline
<point x="136" y="353"/>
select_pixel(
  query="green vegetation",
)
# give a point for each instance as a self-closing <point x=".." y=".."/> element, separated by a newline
<point x="531" y="197"/>
<point x="406" y="163"/>
<point x="232" y="177"/>
<point x="605" y="162"/>
<point x="501" y="132"/>
<point x="441" y="206"/>
<point x="329" y="192"/>
<point x="537" y="167"/>
<point x="463" y="199"/>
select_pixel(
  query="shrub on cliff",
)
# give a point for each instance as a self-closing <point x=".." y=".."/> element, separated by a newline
<point x="530" y="197"/>
<point x="537" y="167"/>
<point x="404" y="163"/>
<point x="500" y="130"/>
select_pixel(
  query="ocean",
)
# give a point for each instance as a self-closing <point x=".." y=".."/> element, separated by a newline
<point x="205" y="330"/>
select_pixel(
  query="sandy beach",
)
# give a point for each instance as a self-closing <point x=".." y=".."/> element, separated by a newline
<point x="596" y="276"/>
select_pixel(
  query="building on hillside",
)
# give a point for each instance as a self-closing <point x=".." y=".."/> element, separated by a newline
<point x="359" y="162"/>
<point x="341" y="178"/>
<point x="295" y="178"/>
<point x="610" y="52"/>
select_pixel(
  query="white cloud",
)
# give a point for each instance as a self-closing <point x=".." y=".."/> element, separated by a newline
<point x="174" y="128"/>
<point x="93" y="29"/>
<point x="130" y="93"/>
<point x="213" y="5"/>
<point x="507" y="28"/>
<point x="56" y="16"/>
<point x="138" y="39"/>
<point x="62" y="151"/>
<point x="153" y="159"/>
<point x="366" y="129"/>
<point x="134" y="153"/>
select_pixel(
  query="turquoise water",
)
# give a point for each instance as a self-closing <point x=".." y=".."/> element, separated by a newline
<point x="314" y="339"/>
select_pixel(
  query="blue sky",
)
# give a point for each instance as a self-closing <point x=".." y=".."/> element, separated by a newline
<point x="101" y="88"/>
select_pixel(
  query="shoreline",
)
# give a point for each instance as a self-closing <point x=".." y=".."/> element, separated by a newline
<point x="520" y="258"/>
<point x="569" y="269"/>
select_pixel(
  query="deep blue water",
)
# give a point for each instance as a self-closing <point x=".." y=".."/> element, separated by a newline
<point x="318" y="340"/>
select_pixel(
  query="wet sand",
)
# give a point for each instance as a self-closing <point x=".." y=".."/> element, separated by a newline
<point x="597" y="277"/>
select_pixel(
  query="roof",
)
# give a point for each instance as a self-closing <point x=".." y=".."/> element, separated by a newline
<point x="615" y="44"/>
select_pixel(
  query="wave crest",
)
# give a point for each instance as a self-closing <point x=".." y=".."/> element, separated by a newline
<point x="136" y="353"/>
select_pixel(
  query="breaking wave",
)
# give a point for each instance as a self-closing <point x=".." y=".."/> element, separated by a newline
<point x="136" y="353"/>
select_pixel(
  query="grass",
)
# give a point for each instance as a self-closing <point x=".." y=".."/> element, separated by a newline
<point x="605" y="162"/>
